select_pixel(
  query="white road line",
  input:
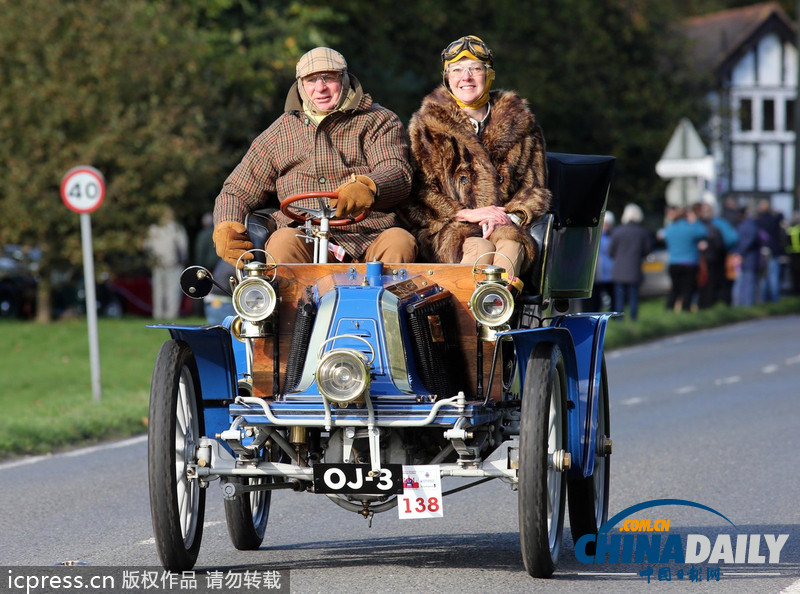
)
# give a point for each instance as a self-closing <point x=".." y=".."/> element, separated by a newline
<point x="770" y="369"/>
<point x="731" y="379"/>
<point x="632" y="401"/>
<point x="112" y="445"/>
<point x="73" y="453"/>
<point x="686" y="390"/>
<point x="793" y="360"/>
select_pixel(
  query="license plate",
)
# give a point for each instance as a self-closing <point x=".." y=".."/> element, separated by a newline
<point x="356" y="479"/>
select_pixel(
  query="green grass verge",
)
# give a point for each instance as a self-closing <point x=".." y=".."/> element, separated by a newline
<point x="46" y="394"/>
<point x="655" y="321"/>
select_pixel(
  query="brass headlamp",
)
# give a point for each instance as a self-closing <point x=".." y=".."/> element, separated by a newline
<point x="492" y="303"/>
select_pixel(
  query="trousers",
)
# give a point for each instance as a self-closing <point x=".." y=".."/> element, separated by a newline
<point x="167" y="294"/>
<point x="394" y="245"/>
<point x="507" y="251"/>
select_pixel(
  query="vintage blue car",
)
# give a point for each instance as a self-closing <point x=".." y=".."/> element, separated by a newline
<point x="368" y="383"/>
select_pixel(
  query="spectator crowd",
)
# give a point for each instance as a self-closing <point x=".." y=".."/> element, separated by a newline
<point x="736" y="255"/>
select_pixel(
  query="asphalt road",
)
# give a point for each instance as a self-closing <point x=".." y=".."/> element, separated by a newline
<point x="711" y="418"/>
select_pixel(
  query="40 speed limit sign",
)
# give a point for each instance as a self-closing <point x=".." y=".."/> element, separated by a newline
<point x="83" y="189"/>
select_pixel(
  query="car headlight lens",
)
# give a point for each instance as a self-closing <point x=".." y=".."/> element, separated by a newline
<point x="342" y="376"/>
<point x="254" y="299"/>
<point x="492" y="304"/>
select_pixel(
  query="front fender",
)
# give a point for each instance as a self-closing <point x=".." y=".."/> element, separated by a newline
<point x="525" y="341"/>
<point x="214" y="352"/>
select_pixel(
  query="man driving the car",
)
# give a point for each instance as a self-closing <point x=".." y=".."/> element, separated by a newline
<point x="331" y="137"/>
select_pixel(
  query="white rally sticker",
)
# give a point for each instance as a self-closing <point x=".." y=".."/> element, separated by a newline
<point x="422" y="493"/>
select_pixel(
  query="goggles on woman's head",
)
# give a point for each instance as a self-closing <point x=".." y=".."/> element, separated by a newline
<point x="470" y="43"/>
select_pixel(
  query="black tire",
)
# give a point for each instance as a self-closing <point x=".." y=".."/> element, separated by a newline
<point x="177" y="503"/>
<point x="588" y="497"/>
<point x="542" y="489"/>
<point x="247" y="515"/>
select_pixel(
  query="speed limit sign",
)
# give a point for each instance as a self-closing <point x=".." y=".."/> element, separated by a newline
<point x="83" y="189"/>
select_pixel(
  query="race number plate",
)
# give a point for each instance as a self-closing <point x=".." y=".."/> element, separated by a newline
<point x="356" y="479"/>
<point x="422" y="493"/>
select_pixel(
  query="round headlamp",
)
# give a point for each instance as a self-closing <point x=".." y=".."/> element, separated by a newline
<point x="254" y="299"/>
<point x="492" y="304"/>
<point x="342" y="376"/>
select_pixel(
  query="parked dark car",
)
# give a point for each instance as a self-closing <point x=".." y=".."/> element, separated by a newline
<point x="18" y="268"/>
<point x="128" y="292"/>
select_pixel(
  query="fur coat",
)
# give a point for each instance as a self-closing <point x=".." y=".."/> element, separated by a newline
<point x="455" y="169"/>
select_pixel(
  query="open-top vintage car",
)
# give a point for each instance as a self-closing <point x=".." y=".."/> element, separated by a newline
<point x="369" y="383"/>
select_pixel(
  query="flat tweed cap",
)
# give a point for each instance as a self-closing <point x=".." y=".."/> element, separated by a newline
<point x="320" y="59"/>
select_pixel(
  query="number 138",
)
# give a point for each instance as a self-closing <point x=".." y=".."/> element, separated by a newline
<point x="431" y="505"/>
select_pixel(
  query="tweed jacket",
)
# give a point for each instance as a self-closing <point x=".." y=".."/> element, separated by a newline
<point x="455" y="169"/>
<point x="296" y="155"/>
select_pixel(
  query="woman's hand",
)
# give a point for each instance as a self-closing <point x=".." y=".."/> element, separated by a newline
<point x="488" y="217"/>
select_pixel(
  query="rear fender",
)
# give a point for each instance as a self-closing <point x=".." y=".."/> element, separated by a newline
<point x="588" y="335"/>
<point x="580" y="338"/>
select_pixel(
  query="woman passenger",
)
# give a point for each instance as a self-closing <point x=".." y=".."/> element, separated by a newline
<point x="480" y="176"/>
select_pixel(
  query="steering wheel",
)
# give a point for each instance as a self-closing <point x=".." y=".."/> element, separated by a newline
<point x="315" y="214"/>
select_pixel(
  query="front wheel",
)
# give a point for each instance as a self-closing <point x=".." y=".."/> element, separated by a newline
<point x="177" y="502"/>
<point x="543" y="439"/>
<point x="588" y="497"/>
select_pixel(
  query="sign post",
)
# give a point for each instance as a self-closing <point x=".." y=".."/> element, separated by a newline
<point x="83" y="189"/>
<point x="687" y="164"/>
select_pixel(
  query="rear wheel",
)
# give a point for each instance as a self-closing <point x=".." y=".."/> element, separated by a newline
<point x="588" y="497"/>
<point x="177" y="503"/>
<point x="247" y="515"/>
<point x="543" y="435"/>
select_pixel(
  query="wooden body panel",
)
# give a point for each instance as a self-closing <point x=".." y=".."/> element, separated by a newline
<point x="293" y="280"/>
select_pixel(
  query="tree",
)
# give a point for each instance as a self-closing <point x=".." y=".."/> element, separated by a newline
<point x="602" y="76"/>
<point x="103" y="83"/>
<point x="149" y="92"/>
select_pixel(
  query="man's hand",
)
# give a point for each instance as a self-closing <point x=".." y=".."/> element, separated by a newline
<point x="355" y="196"/>
<point x="231" y="241"/>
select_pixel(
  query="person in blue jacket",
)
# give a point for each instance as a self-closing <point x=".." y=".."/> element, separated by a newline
<point x="683" y="236"/>
<point x="603" y="289"/>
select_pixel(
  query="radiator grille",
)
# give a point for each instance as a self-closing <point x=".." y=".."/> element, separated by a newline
<point x="303" y="325"/>
<point x="434" y="333"/>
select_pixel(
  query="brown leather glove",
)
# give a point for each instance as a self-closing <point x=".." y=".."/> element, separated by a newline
<point x="355" y="195"/>
<point x="231" y="241"/>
